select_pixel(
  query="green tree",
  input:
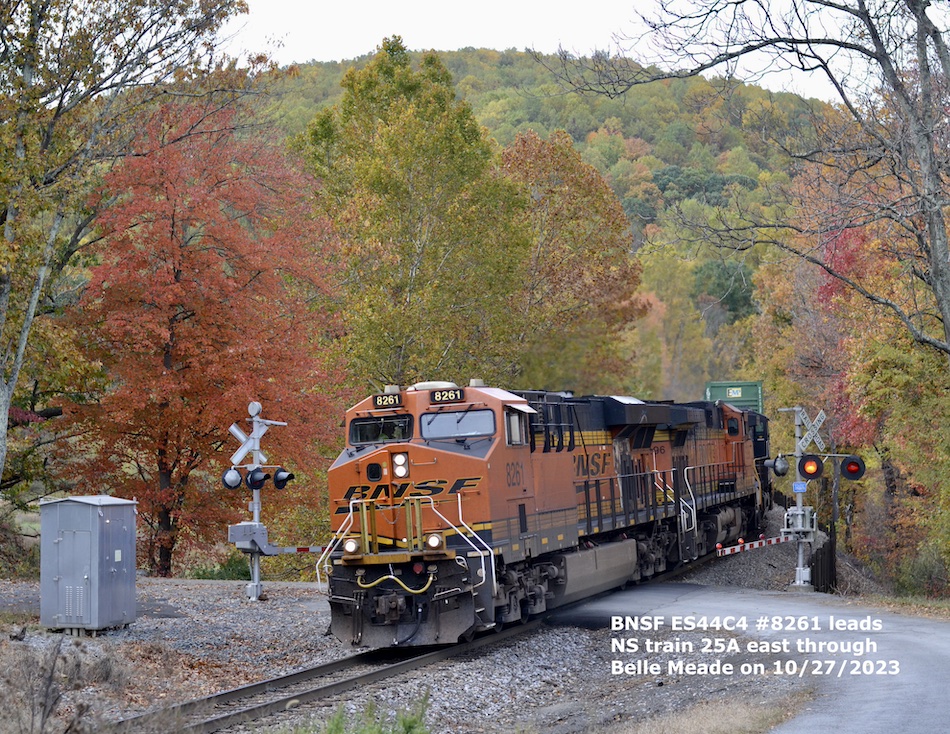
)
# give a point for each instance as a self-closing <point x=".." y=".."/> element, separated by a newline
<point x="428" y="231"/>
<point x="722" y="290"/>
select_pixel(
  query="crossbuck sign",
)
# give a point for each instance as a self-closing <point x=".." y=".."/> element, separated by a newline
<point x="252" y="444"/>
<point x="811" y="431"/>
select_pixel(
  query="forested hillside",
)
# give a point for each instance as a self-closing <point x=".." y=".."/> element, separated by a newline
<point x="305" y="235"/>
<point x="668" y="147"/>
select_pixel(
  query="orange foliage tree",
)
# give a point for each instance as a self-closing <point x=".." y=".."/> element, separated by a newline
<point x="579" y="275"/>
<point x="198" y="306"/>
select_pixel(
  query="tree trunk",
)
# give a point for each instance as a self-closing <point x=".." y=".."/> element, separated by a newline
<point x="167" y="530"/>
<point x="166" y="542"/>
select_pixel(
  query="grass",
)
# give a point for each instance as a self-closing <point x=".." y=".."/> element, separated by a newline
<point x="720" y="717"/>
<point x="234" y="567"/>
<point x="921" y="606"/>
<point x="19" y="617"/>
<point x="34" y="685"/>
<point x="371" y="721"/>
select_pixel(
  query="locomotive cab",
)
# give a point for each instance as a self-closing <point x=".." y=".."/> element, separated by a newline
<point x="412" y="556"/>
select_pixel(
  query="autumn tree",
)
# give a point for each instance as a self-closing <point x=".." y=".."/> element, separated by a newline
<point x="514" y="267"/>
<point x="72" y="75"/>
<point x="818" y="345"/>
<point x="674" y="353"/>
<point x="883" y="152"/>
<point x="198" y="307"/>
<point x="430" y="242"/>
<point x="579" y="276"/>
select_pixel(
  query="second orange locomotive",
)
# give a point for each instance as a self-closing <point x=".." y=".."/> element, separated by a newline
<point x="460" y="509"/>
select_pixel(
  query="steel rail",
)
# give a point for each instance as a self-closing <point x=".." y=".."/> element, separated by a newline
<point x="172" y="718"/>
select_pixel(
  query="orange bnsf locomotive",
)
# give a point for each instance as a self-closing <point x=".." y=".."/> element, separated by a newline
<point x="461" y="509"/>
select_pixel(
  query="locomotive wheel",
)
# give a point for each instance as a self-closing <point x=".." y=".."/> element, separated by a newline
<point x="525" y="616"/>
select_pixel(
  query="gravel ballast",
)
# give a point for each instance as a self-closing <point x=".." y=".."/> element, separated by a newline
<point x="194" y="638"/>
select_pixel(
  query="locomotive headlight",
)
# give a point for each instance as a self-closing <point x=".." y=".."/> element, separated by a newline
<point x="401" y="465"/>
<point x="434" y="541"/>
<point x="351" y="545"/>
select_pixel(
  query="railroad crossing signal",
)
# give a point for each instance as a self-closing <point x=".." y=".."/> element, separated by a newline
<point x="251" y="537"/>
<point x="800" y="521"/>
<point x="811" y="466"/>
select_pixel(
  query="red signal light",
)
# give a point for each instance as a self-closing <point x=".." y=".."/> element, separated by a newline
<point x="810" y="466"/>
<point x="852" y="467"/>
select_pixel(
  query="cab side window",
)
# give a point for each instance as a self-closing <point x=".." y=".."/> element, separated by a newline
<point x="516" y="429"/>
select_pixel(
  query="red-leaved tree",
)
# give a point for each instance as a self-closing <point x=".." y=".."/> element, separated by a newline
<point x="203" y="301"/>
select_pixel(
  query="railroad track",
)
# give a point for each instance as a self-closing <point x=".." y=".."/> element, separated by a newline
<point x="256" y="700"/>
<point x="273" y="696"/>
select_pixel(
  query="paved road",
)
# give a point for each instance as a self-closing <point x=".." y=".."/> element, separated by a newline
<point x="874" y="672"/>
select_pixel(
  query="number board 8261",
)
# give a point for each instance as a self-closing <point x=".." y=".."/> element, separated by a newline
<point x="447" y="395"/>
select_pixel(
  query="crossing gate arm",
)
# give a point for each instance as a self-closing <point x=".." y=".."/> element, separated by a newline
<point x="752" y="545"/>
<point x="272" y="550"/>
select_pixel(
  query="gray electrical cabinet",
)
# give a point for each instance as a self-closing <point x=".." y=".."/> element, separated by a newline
<point x="87" y="563"/>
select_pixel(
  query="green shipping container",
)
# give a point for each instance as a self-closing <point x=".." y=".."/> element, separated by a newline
<point x="740" y="394"/>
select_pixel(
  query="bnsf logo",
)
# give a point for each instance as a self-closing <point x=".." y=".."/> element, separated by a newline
<point x="595" y="465"/>
<point x="428" y="488"/>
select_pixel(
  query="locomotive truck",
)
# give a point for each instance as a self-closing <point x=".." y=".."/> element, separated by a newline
<point x="457" y="510"/>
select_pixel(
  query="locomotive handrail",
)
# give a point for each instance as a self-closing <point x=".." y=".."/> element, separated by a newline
<point x="662" y="484"/>
<point x="722" y="468"/>
<point x="335" y="541"/>
<point x="665" y="487"/>
<point x="481" y="553"/>
<point x="703" y="466"/>
<point x="324" y="560"/>
<point x="691" y="506"/>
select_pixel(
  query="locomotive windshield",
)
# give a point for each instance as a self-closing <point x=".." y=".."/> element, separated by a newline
<point x="458" y="424"/>
<point x="381" y="430"/>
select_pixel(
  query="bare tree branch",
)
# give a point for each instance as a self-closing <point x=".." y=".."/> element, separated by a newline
<point x="882" y="154"/>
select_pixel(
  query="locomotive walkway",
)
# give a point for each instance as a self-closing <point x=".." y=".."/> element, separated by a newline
<point x="864" y="670"/>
